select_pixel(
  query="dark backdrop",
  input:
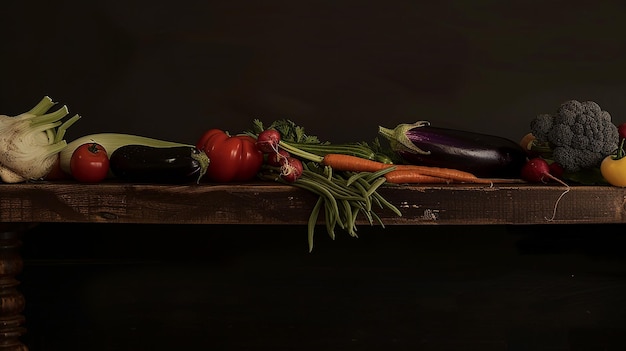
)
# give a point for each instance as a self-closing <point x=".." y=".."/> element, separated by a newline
<point x="338" y="68"/>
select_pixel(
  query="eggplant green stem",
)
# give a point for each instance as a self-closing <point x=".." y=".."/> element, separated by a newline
<point x="204" y="161"/>
<point x="397" y="136"/>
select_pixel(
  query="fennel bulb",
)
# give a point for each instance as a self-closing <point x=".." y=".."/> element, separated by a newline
<point x="30" y="142"/>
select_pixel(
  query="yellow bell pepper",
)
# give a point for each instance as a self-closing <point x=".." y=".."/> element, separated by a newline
<point x="613" y="167"/>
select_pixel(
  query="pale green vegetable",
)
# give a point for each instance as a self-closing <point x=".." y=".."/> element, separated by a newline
<point x="30" y="142"/>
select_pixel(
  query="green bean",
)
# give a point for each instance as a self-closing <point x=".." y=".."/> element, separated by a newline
<point x="377" y="183"/>
<point x="368" y="215"/>
<point x="366" y="199"/>
<point x="378" y="220"/>
<point x="322" y="191"/>
<point x="344" y="197"/>
<point x="374" y="175"/>
<point x="313" y="221"/>
<point x="353" y="225"/>
<point x="332" y="186"/>
<point x="330" y="222"/>
<point x="348" y="217"/>
<point x="356" y="176"/>
<point x="387" y="204"/>
<point x="328" y="171"/>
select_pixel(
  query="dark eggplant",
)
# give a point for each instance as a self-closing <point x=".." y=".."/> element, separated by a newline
<point x="484" y="155"/>
<point x="148" y="164"/>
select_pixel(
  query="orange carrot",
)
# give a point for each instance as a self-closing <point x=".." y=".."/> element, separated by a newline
<point x="415" y="176"/>
<point x="411" y="177"/>
<point x="344" y="162"/>
<point x="338" y="161"/>
<point x="449" y="173"/>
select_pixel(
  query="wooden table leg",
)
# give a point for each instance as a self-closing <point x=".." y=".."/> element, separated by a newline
<point x="12" y="301"/>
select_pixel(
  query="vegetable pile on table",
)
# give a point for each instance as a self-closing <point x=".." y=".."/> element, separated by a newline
<point x="342" y="195"/>
<point x="576" y="144"/>
<point x="576" y="137"/>
<point x="346" y="177"/>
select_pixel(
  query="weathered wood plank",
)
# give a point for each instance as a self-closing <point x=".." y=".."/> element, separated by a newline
<point x="268" y="203"/>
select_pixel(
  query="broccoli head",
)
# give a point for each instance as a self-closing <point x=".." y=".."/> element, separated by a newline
<point x="580" y="134"/>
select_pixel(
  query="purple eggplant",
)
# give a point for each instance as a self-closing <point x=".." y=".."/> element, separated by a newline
<point x="484" y="155"/>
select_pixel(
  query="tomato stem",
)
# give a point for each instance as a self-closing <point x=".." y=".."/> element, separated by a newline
<point x="93" y="148"/>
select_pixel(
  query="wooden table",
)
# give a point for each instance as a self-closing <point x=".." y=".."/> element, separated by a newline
<point x="25" y="205"/>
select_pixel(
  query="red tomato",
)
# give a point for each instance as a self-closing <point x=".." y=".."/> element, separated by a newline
<point x="232" y="158"/>
<point x="89" y="163"/>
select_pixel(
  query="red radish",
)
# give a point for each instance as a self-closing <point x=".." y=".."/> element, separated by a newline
<point x="267" y="141"/>
<point x="557" y="170"/>
<point x="291" y="169"/>
<point x="537" y="170"/>
<point x="621" y="129"/>
<point x="277" y="158"/>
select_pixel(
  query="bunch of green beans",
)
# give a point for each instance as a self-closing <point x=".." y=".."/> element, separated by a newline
<point x="342" y="197"/>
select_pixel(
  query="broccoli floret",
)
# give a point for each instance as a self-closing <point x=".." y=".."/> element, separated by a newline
<point x="580" y="134"/>
<point x="540" y="126"/>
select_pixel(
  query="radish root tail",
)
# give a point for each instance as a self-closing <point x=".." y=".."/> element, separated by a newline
<point x="556" y="204"/>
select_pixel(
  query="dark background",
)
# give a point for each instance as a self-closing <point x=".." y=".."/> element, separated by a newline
<point x="339" y="68"/>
